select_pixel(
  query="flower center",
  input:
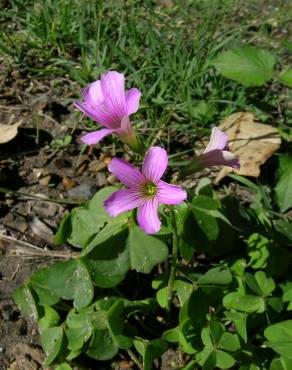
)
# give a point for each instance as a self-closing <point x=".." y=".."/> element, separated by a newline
<point x="149" y="190"/>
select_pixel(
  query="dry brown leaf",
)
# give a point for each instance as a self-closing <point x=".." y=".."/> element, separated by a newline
<point x="251" y="141"/>
<point x="8" y="132"/>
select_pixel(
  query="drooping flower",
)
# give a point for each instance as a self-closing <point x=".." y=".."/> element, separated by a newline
<point x="107" y="102"/>
<point x="145" y="189"/>
<point x="215" y="154"/>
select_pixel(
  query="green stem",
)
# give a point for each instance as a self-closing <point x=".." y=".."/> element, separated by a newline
<point x="192" y="167"/>
<point x="135" y="359"/>
<point x="134" y="142"/>
<point x="175" y="243"/>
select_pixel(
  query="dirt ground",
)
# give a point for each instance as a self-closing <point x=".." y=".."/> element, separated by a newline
<point x="29" y="165"/>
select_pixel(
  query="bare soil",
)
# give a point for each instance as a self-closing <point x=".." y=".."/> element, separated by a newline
<point x="29" y="165"/>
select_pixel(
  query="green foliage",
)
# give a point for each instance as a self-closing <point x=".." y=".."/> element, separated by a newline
<point x="66" y="280"/>
<point x="244" y="302"/>
<point x="107" y="265"/>
<point x="218" y="276"/>
<point x="281" y="363"/>
<point x="217" y="347"/>
<point x="204" y="209"/>
<point x="258" y="250"/>
<point x="146" y="251"/>
<point x="87" y="221"/>
<point x="61" y="143"/>
<point x="239" y="320"/>
<point x="49" y="319"/>
<point x="279" y="338"/>
<point x="51" y="340"/>
<point x="53" y="38"/>
<point x="247" y="65"/>
<point x="286" y="77"/>
<point x="283" y="187"/>
<point x="150" y="350"/>
<point x="241" y="291"/>
<point x="64" y="366"/>
<point x="25" y="300"/>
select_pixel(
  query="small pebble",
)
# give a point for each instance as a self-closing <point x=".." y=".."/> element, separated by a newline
<point x="84" y="191"/>
<point x="111" y="179"/>
<point x="101" y="179"/>
<point x="21" y="326"/>
<point x="22" y="227"/>
<point x="41" y="230"/>
<point x="45" y="180"/>
<point x="68" y="183"/>
<point x="96" y="166"/>
<point x="81" y="169"/>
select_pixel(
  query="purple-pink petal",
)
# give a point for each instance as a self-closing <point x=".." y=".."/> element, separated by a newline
<point x="218" y="140"/>
<point x="126" y="126"/>
<point x="93" y="94"/>
<point x="219" y="158"/>
<point x="95" y="136"/>
<point x="148" y="216"/>
<point x="132" y="100"/>
<point x="155" y="164"/>
<point x="231" y="160"/>
<point x="86" y="109"/>
<point x="98" y="114"/>
<point x="113" y="88"/>
<point x="170" y="194"/>
<point x="122" y="201"/>
<point x="107" y="102"/>
<point x="126" y="173"/>
<point x="126" y="131"/>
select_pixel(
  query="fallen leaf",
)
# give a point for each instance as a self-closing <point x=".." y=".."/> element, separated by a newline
<point x="253" y="142"/>
<point x="8" y="133"/>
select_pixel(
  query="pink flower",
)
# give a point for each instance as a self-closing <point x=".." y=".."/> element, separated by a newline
<point x="215" y="154"/>
<point x="107" y="102"/>
<point x="145" y="189"/>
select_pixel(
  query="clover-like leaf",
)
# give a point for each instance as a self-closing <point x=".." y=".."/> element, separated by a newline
<point x="286" y="77"/>
<point x="25" y="300"/>
<point x="246" y="303"/>
<point x="51" y="340"/>
<point x="50" y="318"/>
<point x="146" y="251"/>
<point x="280" y="338"/>
<point x="283" y="187"/>
<point x="248" y="65"/>
<point x="68" y="280"/>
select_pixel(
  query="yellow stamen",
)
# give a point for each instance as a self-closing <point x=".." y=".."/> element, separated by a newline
<point x="149" y="190"/>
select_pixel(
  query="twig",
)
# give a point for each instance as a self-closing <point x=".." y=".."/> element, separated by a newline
<point x="175" y="244"/>
<point x="36" y="197"/>
<point x="26" y="249"/>
<point x="13" y="274"/>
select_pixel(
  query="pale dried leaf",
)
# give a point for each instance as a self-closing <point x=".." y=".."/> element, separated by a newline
<point x="253" y="142"/>
<point x="8" y="132"/>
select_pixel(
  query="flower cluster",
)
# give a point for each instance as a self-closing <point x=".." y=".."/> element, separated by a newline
<point x="108" y="103"/>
